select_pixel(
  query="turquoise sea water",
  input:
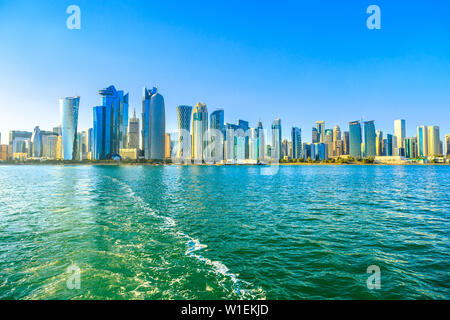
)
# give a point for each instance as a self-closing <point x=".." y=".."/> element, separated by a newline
<point x="308" y="232"/>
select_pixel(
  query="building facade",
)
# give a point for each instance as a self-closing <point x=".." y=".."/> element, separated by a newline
<point x="69" y="108"/>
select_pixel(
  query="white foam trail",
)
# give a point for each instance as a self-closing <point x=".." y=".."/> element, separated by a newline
<point x="193" y="245"/>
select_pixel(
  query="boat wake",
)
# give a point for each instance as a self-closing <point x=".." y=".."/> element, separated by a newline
<point x="193" y="247"/>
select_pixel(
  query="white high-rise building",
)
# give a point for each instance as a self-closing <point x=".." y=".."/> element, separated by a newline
<point x="199" y="130"/>
<point x="400" y="134"/>
<point x="433" y="141"/>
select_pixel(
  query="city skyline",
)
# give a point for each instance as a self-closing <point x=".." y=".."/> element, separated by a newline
<point x="398" y="72"/>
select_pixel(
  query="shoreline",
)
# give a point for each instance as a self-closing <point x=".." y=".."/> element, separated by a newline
<point x="119" y="164"/>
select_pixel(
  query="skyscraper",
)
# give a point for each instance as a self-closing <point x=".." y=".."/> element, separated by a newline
<point x="355" y="139"/>
<point x="133" y="132"/>
<point x="370" y="139"/>
<point x="321" y="130"/>
<point x="379" y="142"/>
<point x="336" y="133"/>
<point x="153" y="124"/>
<point x="447" y="144"/>
<point x="276" y="140"/>
<point x="36" y="143"/>
<point x="69" y="123"/>
<point x="388" y="146"/>
<point x="346" y="142"/>
<point x="110" y="131"/>
<point x="433" y="141"/>
<point x="199" y="129"/>
<point x="217" y="120"/>
<point x="262" y="141"/>
<point x="422" y="141"/>
<point x="315" y="135"/>
<point x="184" y="128"/>
<point x="400" y="132"/>
<point x="296" y="136"/>
<point x="411" y="148"/>
<point x="217" y="135"/>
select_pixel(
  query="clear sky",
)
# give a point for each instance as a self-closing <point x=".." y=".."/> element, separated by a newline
<point x="299" y="60"/>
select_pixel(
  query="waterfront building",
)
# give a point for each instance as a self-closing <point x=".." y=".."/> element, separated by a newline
<point x="49" y="141"/>
<point x="320" y="125"/>
<point x="20" y="141"/>
<point x="129" y="153"/>
<point x="306" y="151"/>
<point x="244" y="126"/>
<point x="133" y="132"/>
<point x="447" y="145"/>
<point x="315" y="135"/>
<point x="433" y="141"/>
<point x="276" y="139"/>
<point x="328" y="140"/>
<point x="167" y="148"/>
<point x="321" y="151"/>
<point x="57" y="130"/>
<point x="422" y="141"/>
<point x="336" y="133"/>
<point x="36" y="143"/>
<point x="284" y="148"/>
<point x="388" y="146"/>
<point x="370" y="139"/>
<point x="400" y="134"/>
<point x="411" y="148"/>
<point x="269" y="151"/>
<point x="355" y="139"/>
<point x="110" y="130"/>
<point x="379" y="142"/>
<point x="217" y="135"/>
<point x="261" y="141"/>
<point x="346" y="143"/>
<point x="4" y="153"/>
<point x="69" y="108"/>
<point x="199" y="129"/>
<point x="153" y="124"/>
<point x="338" y="148"/>
<point x="296" y="136"/>
<point x="230" y="142"/>
<point x="184" y="128"/>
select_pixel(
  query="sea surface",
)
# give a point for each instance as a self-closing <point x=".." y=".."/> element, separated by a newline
<point x="229" y="232"/>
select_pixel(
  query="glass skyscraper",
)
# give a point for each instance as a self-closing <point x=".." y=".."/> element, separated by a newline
<point x="199" y="128"/>
<point x="370" y="139"/>
<point x="153" y="124"/>
<point x="422" y="141"/>
<point x="184" y="114"/>
<point x="69" y="124"/>
<point x="296" y="136"/>
<point x="110" y="131"/>
<point x="276" y="140"/>
<point x="355" y="139"/>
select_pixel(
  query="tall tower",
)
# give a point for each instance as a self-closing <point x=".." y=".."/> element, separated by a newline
<point x="153" y="124"/>
<point x="276" y="139"/>
<point x="355" y="139"/>
<point x="69" y="123"/>
<point x="370" y="139"/>
<point x="399" y="133"/>
<point x="422" y="141"/>
<point x="199" y="128"/>
<point x="321" y="130"/>
<point x="133" y="132"/>
<point x="184" y="128"/>
<point x="433" y="141"/>
<point x="296" y="138"/>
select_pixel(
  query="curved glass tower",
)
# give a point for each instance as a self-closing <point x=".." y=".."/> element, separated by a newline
<point x="36" y="143"/>
<point x="69" y="121"/>
<point x="355" y="139"/>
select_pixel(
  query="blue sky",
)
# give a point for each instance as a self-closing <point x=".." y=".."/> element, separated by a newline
<point x="299" y="60"/>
